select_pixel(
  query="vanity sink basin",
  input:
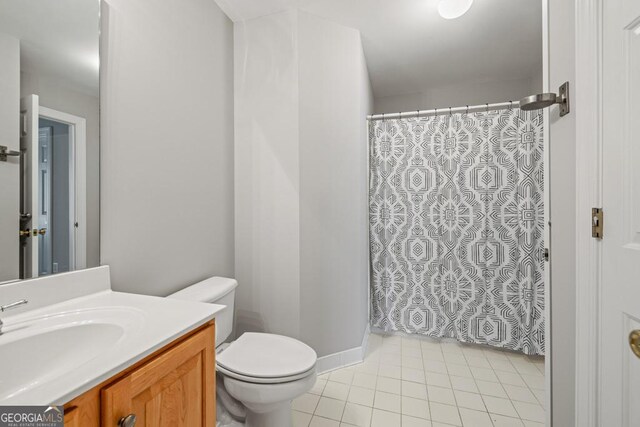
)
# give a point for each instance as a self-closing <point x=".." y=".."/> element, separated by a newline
<point x="43" y="348"/>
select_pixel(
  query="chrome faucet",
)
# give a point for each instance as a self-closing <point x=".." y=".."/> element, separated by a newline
<point x="7" y="307"/>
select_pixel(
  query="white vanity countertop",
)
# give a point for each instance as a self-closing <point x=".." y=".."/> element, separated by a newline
<point x="116" y="329"/>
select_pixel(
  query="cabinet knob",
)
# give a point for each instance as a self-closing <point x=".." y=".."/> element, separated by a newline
<point x="128" y="421"/>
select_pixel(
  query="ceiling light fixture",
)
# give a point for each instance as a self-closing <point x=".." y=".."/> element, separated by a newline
<point x="452" y="9"/>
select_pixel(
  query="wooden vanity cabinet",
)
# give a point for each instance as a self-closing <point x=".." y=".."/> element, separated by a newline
<point x="173" y="387"/>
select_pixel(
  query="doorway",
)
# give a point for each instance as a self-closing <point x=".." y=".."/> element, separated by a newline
<point x="56" y="194"/>
<point x="53" y="236"/>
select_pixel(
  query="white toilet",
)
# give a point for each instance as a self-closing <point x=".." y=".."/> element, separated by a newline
<point x="265" y="372"/>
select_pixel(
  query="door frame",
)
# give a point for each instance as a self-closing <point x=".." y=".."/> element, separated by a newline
<point x="548" y="372"/>
<point x="77" y="183"/>
<point x="588" y="101"/>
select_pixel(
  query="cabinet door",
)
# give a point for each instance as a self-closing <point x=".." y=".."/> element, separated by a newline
<point x="175" y="389"/>
<point x="71" y="417"/>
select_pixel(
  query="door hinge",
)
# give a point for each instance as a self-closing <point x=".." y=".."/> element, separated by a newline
<point x="597" y="223"/>
<point x="23" y="124"/>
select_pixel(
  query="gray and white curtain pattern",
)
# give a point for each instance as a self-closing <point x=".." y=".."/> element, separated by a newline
<point x="457" y="227"/>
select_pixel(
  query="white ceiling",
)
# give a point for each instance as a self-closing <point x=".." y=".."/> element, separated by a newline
<point x="409" y="47"/>
<point x="58" y="38"/>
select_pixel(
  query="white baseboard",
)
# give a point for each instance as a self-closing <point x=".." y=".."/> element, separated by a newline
<point x="343" y="358"/>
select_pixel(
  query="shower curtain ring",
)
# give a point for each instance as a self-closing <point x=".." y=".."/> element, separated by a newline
<point x="449" y="110"/>
<point x="467" y="111"/>
<point x="436" y="112"/>
<point x="487" y="104"/>
<point x="510" y="105"/>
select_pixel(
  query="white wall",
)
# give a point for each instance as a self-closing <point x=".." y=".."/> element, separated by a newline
<point x="563" y="213"/>
<point x="335" y="98"/>
<point x="9" y="171"/>
<point x="302" y="96"/>
<point x="267" y="182"/>
<point x="55" y="94"/>
<point x="536" y="83"/>
<point x="465" y="93"/>
<point x="166" y="144"/>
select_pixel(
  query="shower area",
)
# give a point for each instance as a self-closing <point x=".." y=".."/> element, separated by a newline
<point x="457" y="225"/>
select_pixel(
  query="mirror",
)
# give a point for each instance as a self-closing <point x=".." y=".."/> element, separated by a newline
<point x="49" y="137"/>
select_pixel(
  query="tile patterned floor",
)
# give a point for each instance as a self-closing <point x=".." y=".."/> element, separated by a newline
<point x="417" y="382"/>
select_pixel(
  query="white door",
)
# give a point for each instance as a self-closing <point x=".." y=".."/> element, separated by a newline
<point x="29" y="108"/>
<point x="620" y="281"/>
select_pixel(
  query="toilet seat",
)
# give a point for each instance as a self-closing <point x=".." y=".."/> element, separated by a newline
<point x="267" y="359"/>
<point x="256" y="380"/>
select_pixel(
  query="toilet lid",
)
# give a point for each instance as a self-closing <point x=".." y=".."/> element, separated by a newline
<point x="257" y="355"/>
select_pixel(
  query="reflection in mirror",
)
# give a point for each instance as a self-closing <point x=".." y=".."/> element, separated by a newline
<point x="49" y="132"/>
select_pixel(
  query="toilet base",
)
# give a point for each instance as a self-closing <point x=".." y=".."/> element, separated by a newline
<point x="280" y="416"/>
<point x="268" y="405"/>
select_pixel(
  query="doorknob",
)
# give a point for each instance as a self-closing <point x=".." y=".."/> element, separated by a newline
<point x="634" y="342"/>
<point x="34" y="232"/>
<point x="128" y="421"/>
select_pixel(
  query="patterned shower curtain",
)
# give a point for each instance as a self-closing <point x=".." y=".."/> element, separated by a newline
<point x="457" y="227"/>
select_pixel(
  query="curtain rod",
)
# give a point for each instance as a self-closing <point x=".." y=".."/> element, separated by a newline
<point x="444" y="111"/>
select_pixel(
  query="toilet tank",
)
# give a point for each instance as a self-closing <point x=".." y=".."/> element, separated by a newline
<point x="215" y="290"/>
